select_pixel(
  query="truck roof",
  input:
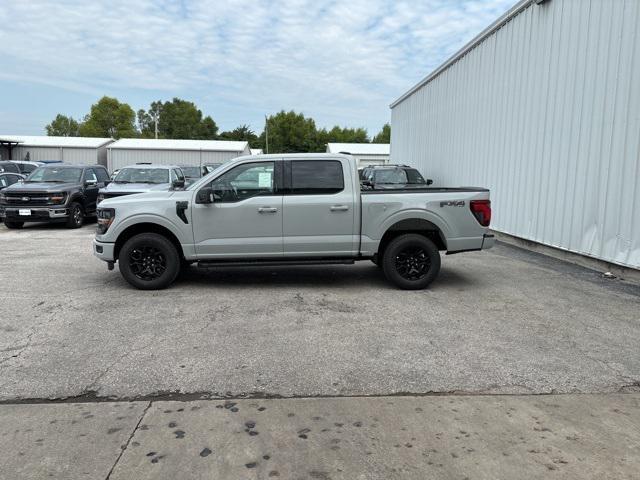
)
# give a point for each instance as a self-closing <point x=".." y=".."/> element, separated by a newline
<point x="288" y="156"/>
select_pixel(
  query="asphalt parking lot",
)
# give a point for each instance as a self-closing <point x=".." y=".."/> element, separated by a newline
<point x="502" y="321"/>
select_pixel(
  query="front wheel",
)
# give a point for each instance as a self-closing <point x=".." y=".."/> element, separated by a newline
<point x="76" y="216"/>
<point x="411" y="261"/>
<point x="149" y="261"/>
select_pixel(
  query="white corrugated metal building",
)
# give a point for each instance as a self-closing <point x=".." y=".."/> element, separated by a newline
<point x="128" y="151"/>
<point x="76" y="150"/>
<point x="543" y="107"/>
<point x="365" y="153"/>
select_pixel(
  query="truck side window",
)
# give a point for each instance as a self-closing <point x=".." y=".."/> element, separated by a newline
<point x="244" y="181"/>
<point x="102" y="174"/>
<point x="90" y="176"/>
<point x="316" y="177"/>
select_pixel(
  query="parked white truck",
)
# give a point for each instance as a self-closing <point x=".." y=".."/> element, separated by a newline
<point x="289" y="210"/>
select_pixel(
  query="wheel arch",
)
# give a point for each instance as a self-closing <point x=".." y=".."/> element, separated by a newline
<point x="146" y="227"/>
<point x="417" y="225"/>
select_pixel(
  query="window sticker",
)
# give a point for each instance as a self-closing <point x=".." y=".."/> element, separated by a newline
<point x="264" y="180"/>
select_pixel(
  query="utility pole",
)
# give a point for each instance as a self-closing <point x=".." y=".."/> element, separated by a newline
<point x="155" y="120"/>
<point x="266" y="132"/>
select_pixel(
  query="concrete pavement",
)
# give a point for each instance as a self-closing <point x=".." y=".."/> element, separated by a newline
<point x="436" y="437"/>
<point x="501" y="321"/>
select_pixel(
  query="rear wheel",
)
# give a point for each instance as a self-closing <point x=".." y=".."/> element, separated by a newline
<point x="13" y="225"/>
<point x="149" y="261"/>
<point x="76" y="215"/>
<point x="411" y="261"/>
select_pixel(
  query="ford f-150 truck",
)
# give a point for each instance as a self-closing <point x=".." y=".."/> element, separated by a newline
<point x="288" y="210"/>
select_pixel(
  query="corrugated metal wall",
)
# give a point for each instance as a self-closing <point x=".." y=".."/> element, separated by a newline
<point x="364" y="160"/>
<point x="121" y="157"/>
<point x="546" y="113"/>
<point x="76" y="156"/>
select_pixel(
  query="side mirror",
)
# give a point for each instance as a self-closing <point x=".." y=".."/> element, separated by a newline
<point x="204" y="195"/>
<point x="367" y="183"/>
<point x="90" y="183"/>
<point x="178" y="184"/>
<point x="429" y="181"/>
<point x="107" y="182"/>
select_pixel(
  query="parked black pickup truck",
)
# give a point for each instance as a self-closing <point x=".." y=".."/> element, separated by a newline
<point x="53" y="193"/>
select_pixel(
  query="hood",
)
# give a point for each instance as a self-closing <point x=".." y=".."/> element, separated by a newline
<point x="137" y="198"/>
<point x="41" y="187"/>
<point x="135" y="187"/>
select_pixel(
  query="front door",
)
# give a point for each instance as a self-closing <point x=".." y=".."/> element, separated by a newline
<point x="245" y="220"/>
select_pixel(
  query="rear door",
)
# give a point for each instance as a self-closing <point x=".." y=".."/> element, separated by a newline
<point x="318" y="209"/>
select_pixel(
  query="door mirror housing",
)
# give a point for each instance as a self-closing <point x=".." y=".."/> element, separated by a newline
<point x="90" y="183"/>
<point x="429" y="181"/>
<point x="205" y="195"/>
<point x="178" y="183"/>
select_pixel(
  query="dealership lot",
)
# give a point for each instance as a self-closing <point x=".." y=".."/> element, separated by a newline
<point x="500" y="321"/>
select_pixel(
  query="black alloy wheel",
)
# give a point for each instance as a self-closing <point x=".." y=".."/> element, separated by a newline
<point x="147" y="262"/>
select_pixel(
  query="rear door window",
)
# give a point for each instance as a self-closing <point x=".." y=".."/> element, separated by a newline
<point x="316" y="177"/>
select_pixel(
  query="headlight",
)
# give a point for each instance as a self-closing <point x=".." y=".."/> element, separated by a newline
<point x="105" y="219"/>
<point x="57" y="198"/>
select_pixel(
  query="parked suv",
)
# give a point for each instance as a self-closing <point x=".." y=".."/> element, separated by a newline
<point x="142" y="178"/>
<point x="383" y="177"/>
<point x="53" y="193"/>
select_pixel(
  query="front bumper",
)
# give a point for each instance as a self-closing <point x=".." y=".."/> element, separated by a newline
<point x="488" y="241"/>
<point x="36" y="214"/>
<point x="104" y="251"/>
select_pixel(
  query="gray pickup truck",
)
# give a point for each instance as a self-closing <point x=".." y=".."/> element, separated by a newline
<point x="289" y="210"/>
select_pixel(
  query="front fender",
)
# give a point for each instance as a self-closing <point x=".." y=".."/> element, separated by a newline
<point x="183" y="233"/>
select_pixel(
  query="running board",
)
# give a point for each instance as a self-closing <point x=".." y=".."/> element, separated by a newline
<point x="274" y="263"/>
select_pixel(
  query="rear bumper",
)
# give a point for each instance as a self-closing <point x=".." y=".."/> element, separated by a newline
<point x="488" y="241"/>
<point x="104" y="251"/>
<point x="36" y="214"/>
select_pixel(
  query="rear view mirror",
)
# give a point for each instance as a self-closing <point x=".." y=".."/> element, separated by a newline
<point x="205" y="195"/>
<point x="429" y="181"/>
<point x="90" y="183"/>
<point x="178" y="183"/>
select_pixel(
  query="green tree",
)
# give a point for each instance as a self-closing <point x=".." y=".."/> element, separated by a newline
<point x="109" y="118"/>
<point x="343" y="135"/>
<point x="63" y="126"/>
<point x="291" y="132"/>
<point x="242" y="133"/>
<point x="384" y="136"/>
<point x="147" y="120"/>
<point x="182" y="119"/>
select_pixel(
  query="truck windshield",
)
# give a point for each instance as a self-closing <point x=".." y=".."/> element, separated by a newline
<point x="142" y="175"/>
<point x="56" y="175"/>
<point x="399" y="176"/>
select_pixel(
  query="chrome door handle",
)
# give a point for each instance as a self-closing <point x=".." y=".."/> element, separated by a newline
<point x="267" y="210"/>
<point x="339" y="208"/>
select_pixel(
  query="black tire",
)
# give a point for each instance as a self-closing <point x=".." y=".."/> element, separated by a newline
<point x="13" y="225"/>
<point x="76" y="215"/>
<point x="149" y="261"/>
<point x="411" y="261"/>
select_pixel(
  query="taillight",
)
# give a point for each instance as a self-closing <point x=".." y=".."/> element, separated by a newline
<point x="481" y="209"/>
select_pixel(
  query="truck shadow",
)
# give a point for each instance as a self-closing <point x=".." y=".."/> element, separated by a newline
<point x="362" y="276"/>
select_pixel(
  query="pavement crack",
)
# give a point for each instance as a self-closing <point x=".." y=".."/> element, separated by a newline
<point x="126" y="445"/>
